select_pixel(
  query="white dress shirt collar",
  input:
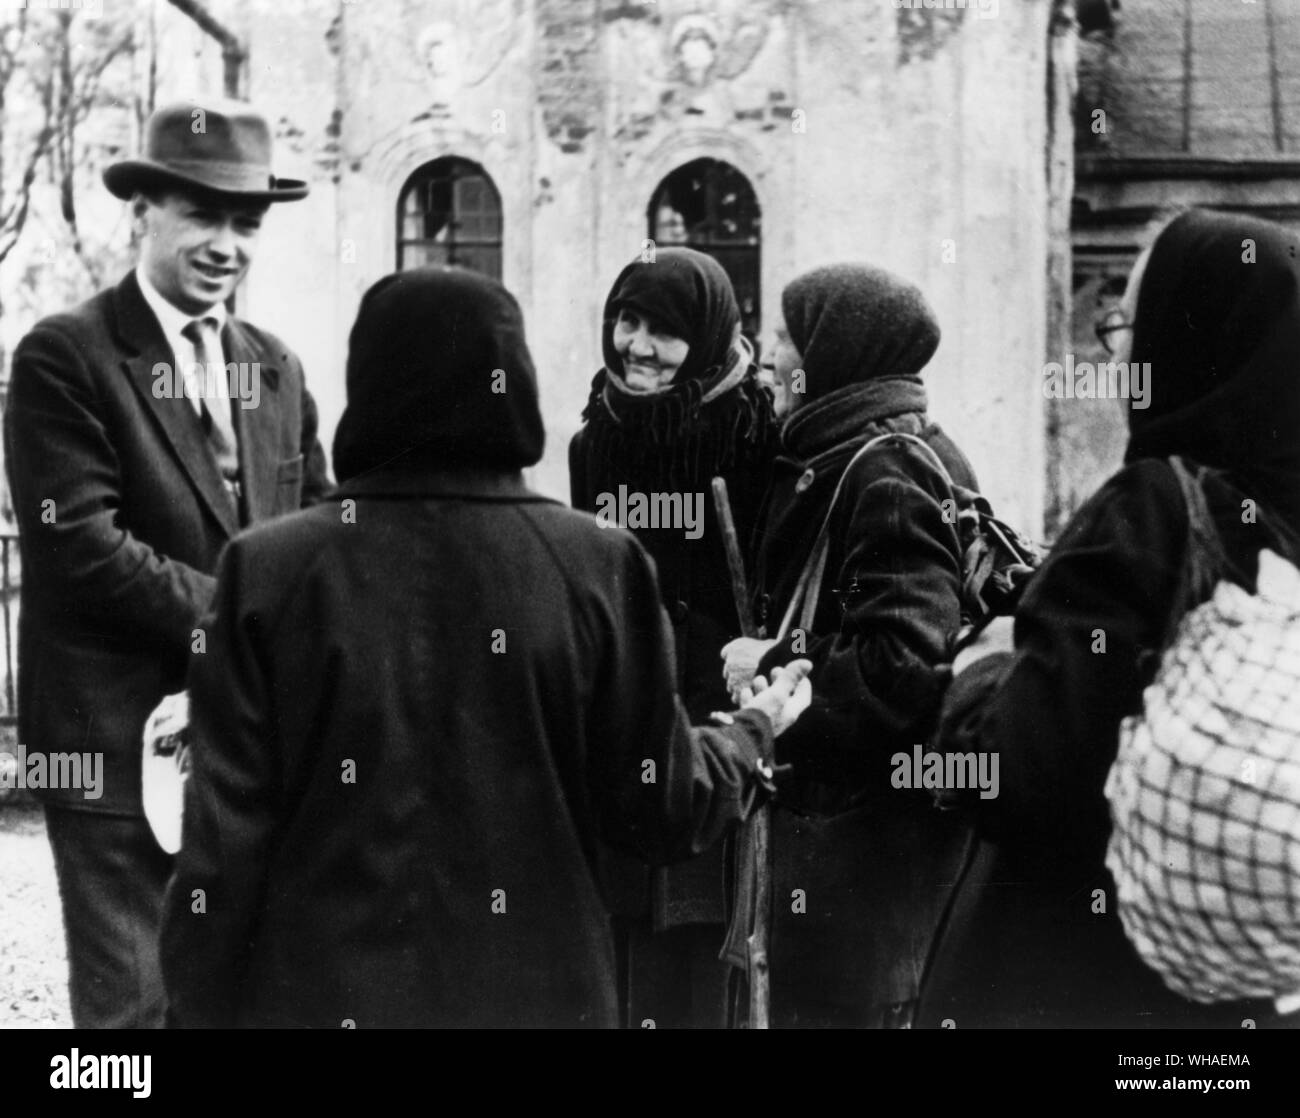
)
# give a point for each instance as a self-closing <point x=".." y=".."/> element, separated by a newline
<point x="173" y="321"/>
<point x="170" y="317"/>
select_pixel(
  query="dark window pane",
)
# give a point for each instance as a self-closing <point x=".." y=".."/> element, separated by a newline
<point x="710" y="206"/>
<point x="422" y="254"/>
<point x="483" y="259"/>
<point x="449" y="212"/>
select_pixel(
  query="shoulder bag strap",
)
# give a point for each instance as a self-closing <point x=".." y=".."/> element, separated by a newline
<point x="808" y="589"/>
<point x="1204" y="559"/>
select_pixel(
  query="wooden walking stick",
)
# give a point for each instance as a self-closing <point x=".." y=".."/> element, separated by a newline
<point x="758" y="828"/>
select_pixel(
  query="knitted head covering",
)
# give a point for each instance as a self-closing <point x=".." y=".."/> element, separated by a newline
<point x="712" y="414"/>
<point x="1218" y="318"/>
<point x="856" y="322"/>
<point x="438" y="368"/>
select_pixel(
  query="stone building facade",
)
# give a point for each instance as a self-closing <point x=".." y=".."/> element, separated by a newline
<point x="1180" y="103"/>
<point x="546" y="140"/>
<point x="862" y="129"/>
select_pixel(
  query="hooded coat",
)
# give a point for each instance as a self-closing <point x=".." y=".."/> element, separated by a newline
<point x="428" y="712"/>
<point x="1033" y="938"/>
<point x="873" y="862"/>
<point x="714" y="420"/>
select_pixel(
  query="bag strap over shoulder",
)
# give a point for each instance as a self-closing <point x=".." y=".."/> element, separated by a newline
<point x="1204" y="560"/>
<point x="807" y="590"/>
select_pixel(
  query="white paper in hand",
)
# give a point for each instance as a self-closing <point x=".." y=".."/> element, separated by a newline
<point x="164" y="767"/>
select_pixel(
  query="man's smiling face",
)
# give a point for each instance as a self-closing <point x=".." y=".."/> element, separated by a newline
<point x="196" y="248"/>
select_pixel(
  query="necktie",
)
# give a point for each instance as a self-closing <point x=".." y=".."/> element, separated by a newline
<point x="215" y="400"/>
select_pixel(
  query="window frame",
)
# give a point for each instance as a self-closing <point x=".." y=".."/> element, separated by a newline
<point x="714" y="174"/>
<point x="450" y="169"/>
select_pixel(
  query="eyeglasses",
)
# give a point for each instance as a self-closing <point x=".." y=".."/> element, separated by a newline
<point x="1113" y="320"/>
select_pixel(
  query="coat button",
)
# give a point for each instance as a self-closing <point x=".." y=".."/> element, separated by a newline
<point x="805" y="480"/>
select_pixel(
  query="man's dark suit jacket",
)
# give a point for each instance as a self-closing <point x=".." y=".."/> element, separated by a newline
<point x="122" y="513"/>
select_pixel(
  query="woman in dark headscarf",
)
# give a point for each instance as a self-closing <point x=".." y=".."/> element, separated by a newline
<point x="678" y="403"/>
<point x="1212" y="311"/>
<point x="869" y="860"/>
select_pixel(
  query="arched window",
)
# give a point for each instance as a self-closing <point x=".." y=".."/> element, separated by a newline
<point x="709" y="205"/>
<point x="449" y="212"/>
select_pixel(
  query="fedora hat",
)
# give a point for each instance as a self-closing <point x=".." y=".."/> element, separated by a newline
<point x="223" y="147"/>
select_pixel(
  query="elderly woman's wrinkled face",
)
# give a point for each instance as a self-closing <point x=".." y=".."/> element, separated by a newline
<point x="650" y="355"/>
<point x="787" y="373"/>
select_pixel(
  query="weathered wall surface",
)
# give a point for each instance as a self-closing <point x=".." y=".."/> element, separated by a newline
<point x="1180" y="103"/>
<point x="911" y="138"/>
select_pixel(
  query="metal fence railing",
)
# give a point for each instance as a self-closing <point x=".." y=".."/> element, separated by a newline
<point x="10" y="582"/>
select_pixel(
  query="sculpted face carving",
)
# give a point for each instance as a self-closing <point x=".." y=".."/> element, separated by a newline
<point x="695" y="44"/>
<point x="462" y="41"/>
<point x="437" y="48"/>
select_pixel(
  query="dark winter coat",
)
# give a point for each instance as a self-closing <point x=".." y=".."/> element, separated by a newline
<point x="428" y="712"/>
<point x="118" y="574"/>
<point x="693" y="573"/>
<point x="862" y="868"/>
<point x="672" y="441"/>
<point x="873" y="862"/>
<point x="497" y="671"/>
<point x="695" y="585"/>
<point x="1033" y="938"/>
<point x="676" y="444"/>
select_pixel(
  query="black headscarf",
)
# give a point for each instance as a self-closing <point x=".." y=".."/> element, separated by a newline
<point x="864" y="335"/>
<point x="674" y="437"/>
<point x="438" y="369"/>
<point x="687" y="292"/>
<point x="856" y="322"/>
<point x="1219" y="322"/>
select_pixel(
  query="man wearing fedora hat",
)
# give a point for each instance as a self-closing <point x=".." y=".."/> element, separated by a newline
<point x="144" y="429"/>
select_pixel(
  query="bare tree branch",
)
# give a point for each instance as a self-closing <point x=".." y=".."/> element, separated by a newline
<point x="14" y="210"/>
<point x="68" y="87"/>
<point x="79" y="92"/>
<point x="233" y="53"/>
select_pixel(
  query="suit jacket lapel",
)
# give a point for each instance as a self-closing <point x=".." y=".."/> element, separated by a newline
<point x="146" y="346"/>
<point x="257" y="426"/>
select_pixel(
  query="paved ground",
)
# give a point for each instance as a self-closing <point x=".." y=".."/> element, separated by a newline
<point x="33" y="967"/>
